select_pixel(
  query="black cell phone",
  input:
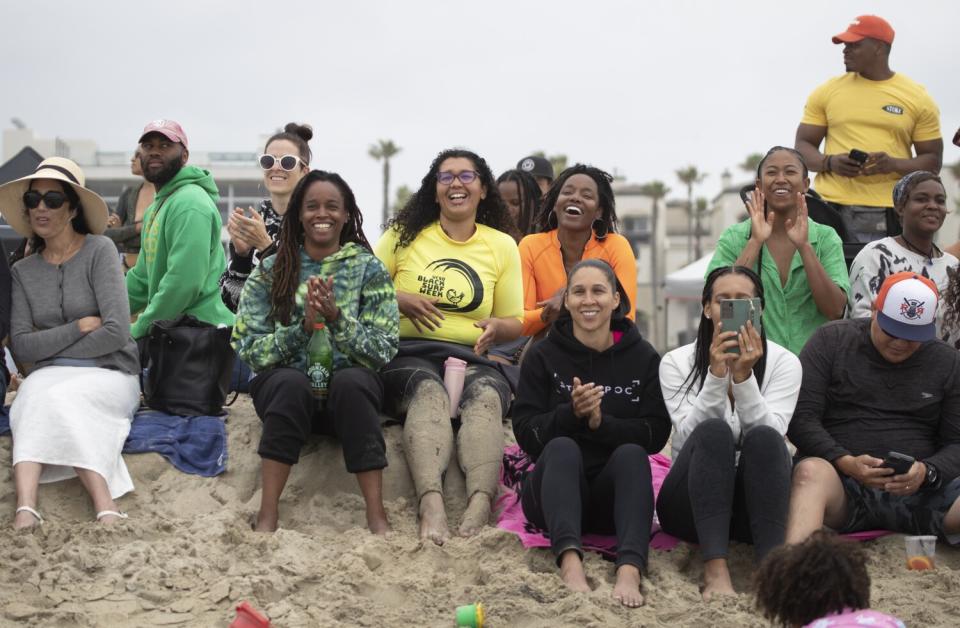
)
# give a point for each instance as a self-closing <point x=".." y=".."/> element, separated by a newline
<point x="858" y="156"/>
<point x="900" y="463"/>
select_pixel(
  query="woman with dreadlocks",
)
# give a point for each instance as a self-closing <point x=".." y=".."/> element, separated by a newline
<point x="800" y="261"/>
<point x="578" y="220"/>
<point x="323" y="271"/>
<point x="731" y="396"/>
<point x="521" y="194"/>
<point x="457" y="275"/>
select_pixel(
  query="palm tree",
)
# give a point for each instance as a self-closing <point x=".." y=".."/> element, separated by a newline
<point x="656" y="190"/>
<point x="701" y="208"/>
<point x="751" y="162"/>
<point x="383" y="150"/>
<point x="691" y="176"/>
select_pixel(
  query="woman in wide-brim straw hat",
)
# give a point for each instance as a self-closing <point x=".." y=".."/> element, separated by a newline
<point x="71" y="320"/>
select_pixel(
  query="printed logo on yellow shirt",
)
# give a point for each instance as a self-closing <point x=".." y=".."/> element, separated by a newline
<point x="454" y="282"/>
<point x="893" y="109"/>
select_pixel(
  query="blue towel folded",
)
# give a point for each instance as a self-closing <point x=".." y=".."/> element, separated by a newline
<point x="192" y="444"/>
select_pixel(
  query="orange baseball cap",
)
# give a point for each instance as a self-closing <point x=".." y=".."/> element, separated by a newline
<point x="907" y="306"/>
<point x="864" y="26"/>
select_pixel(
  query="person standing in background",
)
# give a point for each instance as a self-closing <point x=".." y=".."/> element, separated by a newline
<point x="124" y="225"/>
<point x="540" y="168"/>
<point x="873" y="110"/>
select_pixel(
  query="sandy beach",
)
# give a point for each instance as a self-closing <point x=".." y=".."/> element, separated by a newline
<point x="187" y="557"/>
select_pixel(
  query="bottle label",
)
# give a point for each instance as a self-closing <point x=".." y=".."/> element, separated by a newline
<point x="319" y="379"/>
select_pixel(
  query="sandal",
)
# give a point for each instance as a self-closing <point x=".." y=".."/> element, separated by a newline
<point x="112" y="513"/>
<point x="31" y="511"/>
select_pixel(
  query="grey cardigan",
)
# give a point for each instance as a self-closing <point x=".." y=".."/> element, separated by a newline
<point x="48" y="301"/>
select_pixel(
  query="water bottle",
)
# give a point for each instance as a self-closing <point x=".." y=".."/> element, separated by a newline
<point x="319" y="362"/>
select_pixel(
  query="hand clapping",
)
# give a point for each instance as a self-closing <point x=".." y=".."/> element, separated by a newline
<point x="586" y="399"/>
<point x="319" y="302"/>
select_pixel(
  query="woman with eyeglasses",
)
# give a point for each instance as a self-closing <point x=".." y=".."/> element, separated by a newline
<point x="457" y="275"/>
<point x="71" y="320"/>
<point x="799" y="260"/>
<point x="577" y="221"/>
<point x="253" y="233"/>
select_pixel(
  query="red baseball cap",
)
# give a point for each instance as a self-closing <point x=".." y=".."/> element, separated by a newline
<point x="170" y="129"/>
<point x="864" y="26"/>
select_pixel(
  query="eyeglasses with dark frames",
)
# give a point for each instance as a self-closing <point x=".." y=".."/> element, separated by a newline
<point x="466" y="177"/>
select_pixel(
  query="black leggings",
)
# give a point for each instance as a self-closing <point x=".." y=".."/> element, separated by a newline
<point x="618" y="500"/>
<point x="285" y="403"/>
<point x="708" y="498"/>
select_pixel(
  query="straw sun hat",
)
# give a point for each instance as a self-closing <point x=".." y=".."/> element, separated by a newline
<point x="58" y="169"/>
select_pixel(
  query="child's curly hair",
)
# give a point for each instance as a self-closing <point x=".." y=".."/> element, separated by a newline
<point x="825" y="574"/>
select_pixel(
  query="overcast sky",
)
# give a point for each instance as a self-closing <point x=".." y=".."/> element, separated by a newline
<point x="642" y="88"/>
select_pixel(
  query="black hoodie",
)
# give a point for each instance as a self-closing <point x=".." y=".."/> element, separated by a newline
<point x="632" y="407"/>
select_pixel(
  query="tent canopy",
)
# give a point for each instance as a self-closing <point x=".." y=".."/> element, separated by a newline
<point x="687" y="282"/>
<point x="20" y="165"/>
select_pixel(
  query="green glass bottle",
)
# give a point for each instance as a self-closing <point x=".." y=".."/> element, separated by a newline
<point x="319" y="362"/>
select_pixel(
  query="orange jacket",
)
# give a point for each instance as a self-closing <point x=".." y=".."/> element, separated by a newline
<point x="543" y="273"/>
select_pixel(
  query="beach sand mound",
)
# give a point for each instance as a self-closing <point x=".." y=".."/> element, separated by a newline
<point x="187" y="557"/>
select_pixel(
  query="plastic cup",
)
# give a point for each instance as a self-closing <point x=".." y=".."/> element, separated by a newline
<point x="921" y="552"/>
<point x="470" y="616"/>
<point x="454" y="370"/>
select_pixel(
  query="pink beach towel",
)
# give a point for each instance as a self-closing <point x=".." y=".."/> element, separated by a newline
<point x="516" y="463"/>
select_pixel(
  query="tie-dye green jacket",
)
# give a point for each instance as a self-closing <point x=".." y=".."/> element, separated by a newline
<point x="365" y="334"/>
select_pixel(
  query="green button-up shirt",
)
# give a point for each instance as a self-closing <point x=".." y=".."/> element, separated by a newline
<point x="791" y="315"/>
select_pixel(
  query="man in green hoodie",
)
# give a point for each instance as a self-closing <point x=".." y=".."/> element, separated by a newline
<point x="181" y="257"/>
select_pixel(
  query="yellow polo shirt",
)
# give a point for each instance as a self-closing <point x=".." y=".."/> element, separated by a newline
<point x="873" y="116"/>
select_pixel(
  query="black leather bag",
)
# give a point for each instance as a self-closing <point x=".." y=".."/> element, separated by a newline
<point x="189" y="364"/>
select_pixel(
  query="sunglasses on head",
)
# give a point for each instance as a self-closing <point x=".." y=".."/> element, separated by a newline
<point x="466" y="177"/>
<point x="52" y="199"/>
<point x="287" y="162"/>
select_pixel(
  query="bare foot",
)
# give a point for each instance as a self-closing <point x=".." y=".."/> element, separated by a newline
<point x="477" y="514"/>
<point x="627" y="588"/>
<point x="571" y="572"/>
<point x="716" y="579"/>
<point x="377" y="521"/>
<point x="433" y="518"/>
<point x="267" y="522"/>
<point x="24" y="519"/>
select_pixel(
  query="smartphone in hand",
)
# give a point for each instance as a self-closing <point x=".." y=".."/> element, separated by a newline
<point x="858" y="156"/>
<point x="734" y="314"/>
<point x="900" y="463"/>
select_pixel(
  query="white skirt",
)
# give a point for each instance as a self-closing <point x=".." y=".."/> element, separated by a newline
<point x="75" y="416"/>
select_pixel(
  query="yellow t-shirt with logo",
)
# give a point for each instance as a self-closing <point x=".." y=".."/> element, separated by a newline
<point x="473" y="280"/>
<point x="873" y="116"/>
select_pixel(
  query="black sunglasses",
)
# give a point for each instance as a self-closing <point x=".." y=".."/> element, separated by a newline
<point x="52" y="199"/>
<point x="287" y="162"/>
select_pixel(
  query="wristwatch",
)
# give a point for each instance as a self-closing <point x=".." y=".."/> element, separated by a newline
<point x="932" y="478"/>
